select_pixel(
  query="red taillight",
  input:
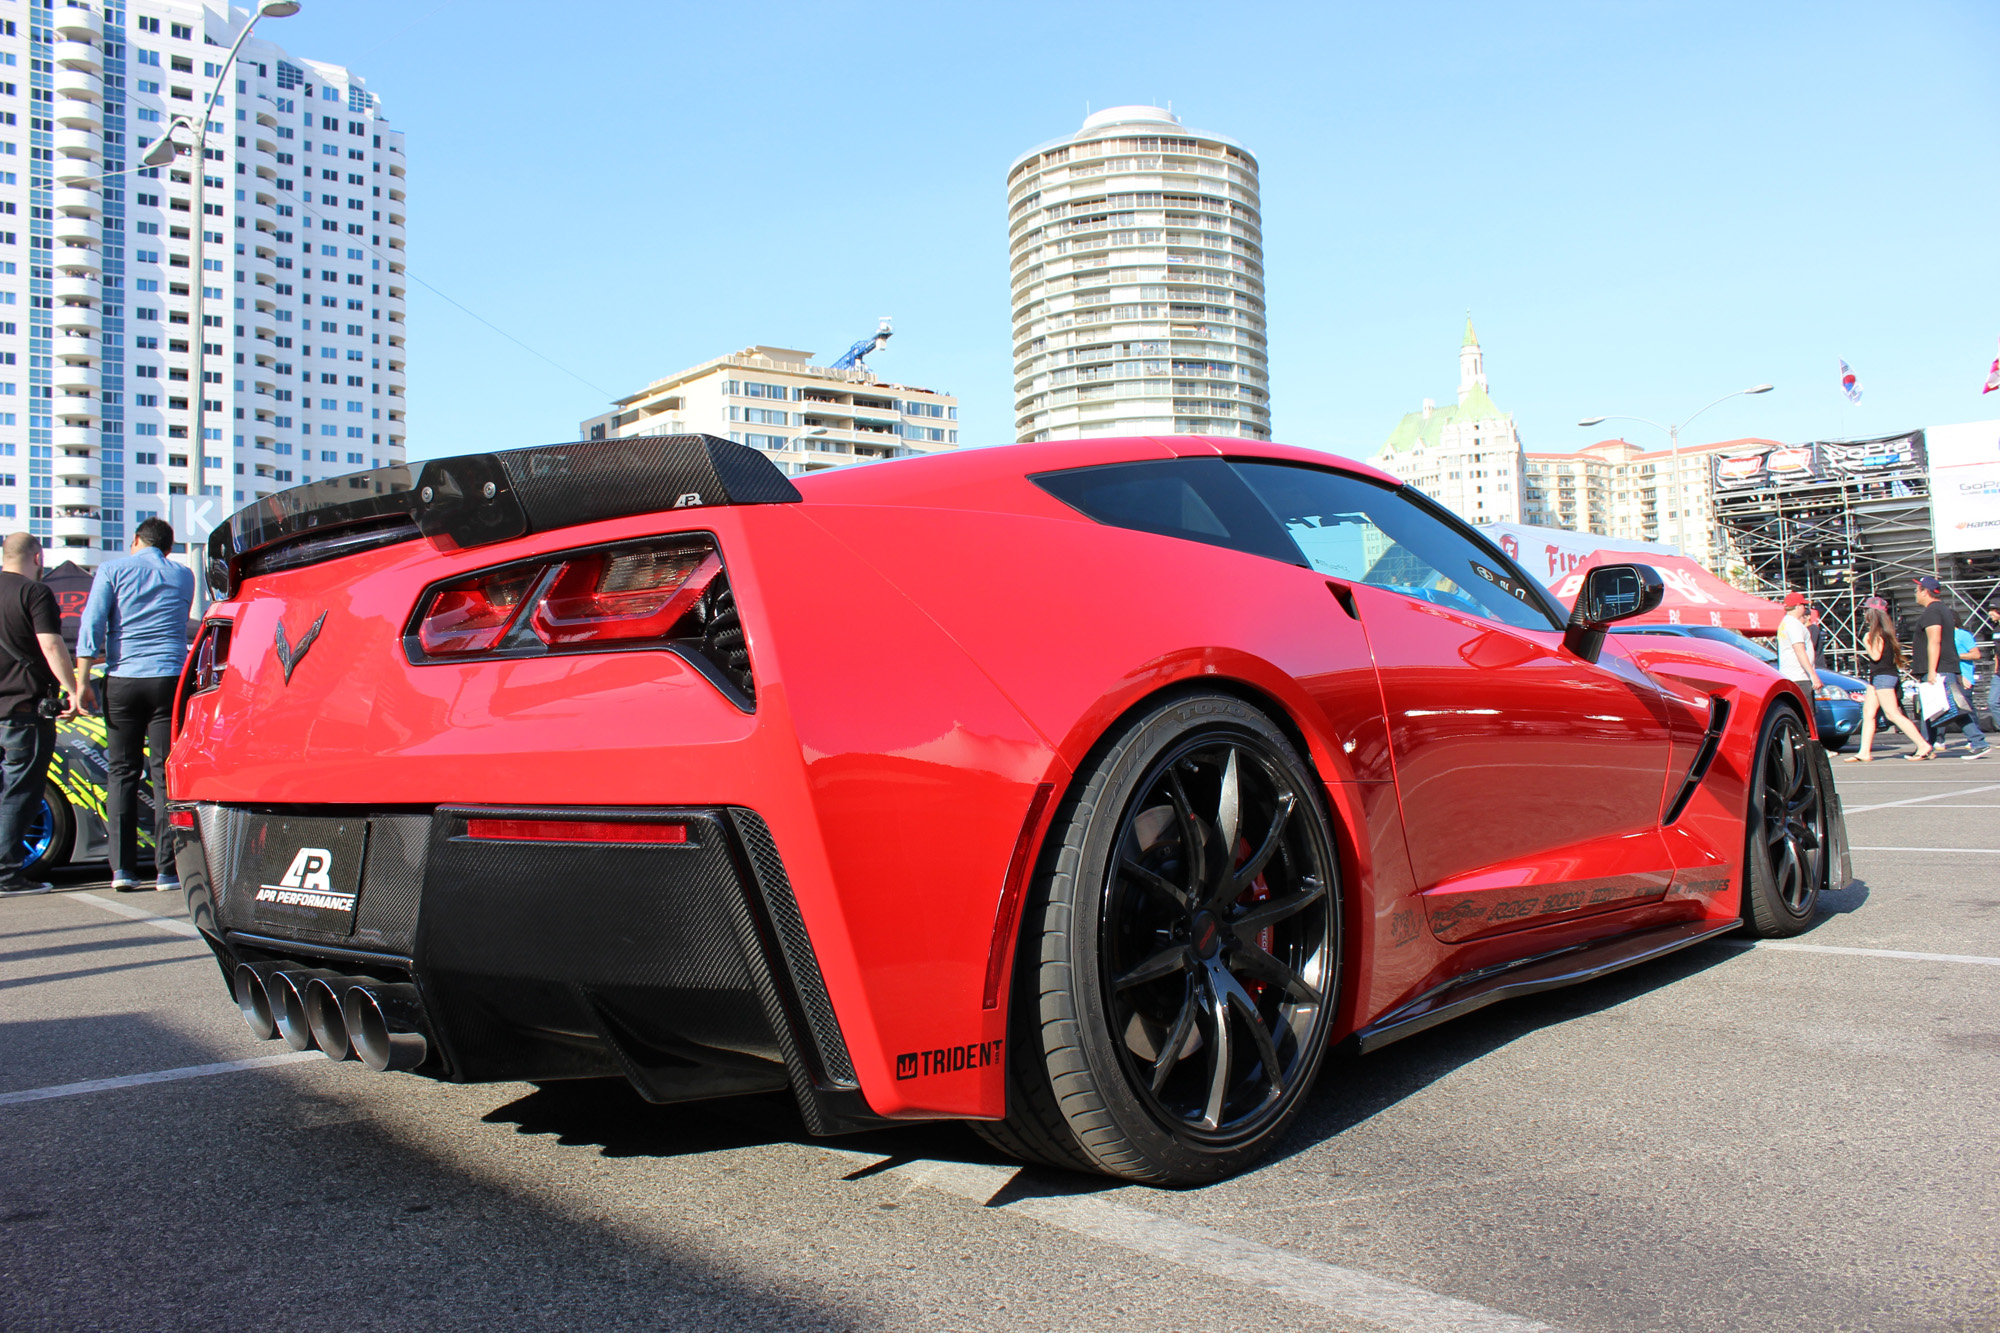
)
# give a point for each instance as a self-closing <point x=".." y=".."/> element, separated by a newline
<point x="211" y="657"/>
<point x="637" y="593"/>
<point x="573" y="830"/>
<point x="181" y="818"/>
<point x="473" y="615"/>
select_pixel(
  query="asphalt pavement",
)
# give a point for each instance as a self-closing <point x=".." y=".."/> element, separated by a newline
<point x="1791" y="1138"/>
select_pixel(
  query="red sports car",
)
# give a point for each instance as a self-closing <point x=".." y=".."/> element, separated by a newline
<point x="1086" y="791"/>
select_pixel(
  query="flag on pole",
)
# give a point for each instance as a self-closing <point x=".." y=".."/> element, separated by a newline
<point x="1849" y="385"/>
<point x="1993" y="377"/>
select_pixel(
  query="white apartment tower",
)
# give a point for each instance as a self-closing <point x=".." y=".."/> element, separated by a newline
<point x="1138" y="282"/>
<point x="302" y="233"/>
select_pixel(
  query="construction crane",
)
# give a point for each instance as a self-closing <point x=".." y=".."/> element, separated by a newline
<point x="856" y="356"/>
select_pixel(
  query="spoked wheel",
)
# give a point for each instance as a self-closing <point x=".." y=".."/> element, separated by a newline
<point x="1187" y="919"/>
<point x="1786" y="844"/>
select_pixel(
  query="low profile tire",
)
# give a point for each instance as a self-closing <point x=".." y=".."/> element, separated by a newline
<point x="1180" y="950"/>
<point x="1785" y="840"/>
<point x="51" y="831"/>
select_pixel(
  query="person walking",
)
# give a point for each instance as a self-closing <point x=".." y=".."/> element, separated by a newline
<point x="1992" y="628"/>
<point x="34" y="674"/>
<point x="1883" y="655"/>
<point x="1935" y="658"/>
<point x="136" y="620"/>
<point x="1795" y="645"/>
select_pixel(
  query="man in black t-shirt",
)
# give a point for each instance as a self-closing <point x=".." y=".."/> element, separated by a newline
<point x="34" y="666"/>
<point x="1934" y="656"/>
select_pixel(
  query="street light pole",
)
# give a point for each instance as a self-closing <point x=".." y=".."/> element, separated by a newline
<point x="181" y="137"/>
<point x="1674" y="452"/>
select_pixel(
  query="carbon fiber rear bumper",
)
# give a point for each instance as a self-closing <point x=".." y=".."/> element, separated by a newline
<point x="685" y="968"/>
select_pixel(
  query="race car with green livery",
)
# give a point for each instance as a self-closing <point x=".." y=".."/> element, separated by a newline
<point x="69" y="825"/>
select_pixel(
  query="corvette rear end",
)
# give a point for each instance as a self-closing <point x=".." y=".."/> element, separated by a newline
<point x="477" y="777"/>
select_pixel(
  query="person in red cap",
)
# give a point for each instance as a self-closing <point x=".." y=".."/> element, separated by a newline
<point x="1795" y="645"/>
<point x="1935" y="656"/>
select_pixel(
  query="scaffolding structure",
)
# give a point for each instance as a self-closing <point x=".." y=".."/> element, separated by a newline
<point x="1843" y="521"/>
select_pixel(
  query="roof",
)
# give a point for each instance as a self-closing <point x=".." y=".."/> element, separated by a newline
<point x="1471" y="338"/>
<point x="1415" y="429"/>
<point x="1693" y="595"/>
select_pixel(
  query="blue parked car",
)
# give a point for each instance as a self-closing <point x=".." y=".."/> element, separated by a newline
<point x="1836" y="705"/>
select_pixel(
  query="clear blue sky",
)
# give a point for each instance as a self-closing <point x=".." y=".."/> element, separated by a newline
<point x="1643" y="205"/>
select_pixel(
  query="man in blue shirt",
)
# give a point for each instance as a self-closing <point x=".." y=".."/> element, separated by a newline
<point x="136" y="620"/>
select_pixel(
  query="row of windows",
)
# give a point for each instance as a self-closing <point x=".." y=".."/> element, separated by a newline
<point x="754" y="389"/>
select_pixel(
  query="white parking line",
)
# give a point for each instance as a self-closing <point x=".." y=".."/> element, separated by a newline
<point x="1788" y="946"/>
<point x="1971" y="851"/>
<point x="172" y="925"/>
<point x="1378" y="1301"/>
<point x="1918" y="800"/>
<point x="157" y="1076"/>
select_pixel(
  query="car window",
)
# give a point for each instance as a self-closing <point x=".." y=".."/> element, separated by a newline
<point x="1198" y="499"/>
<point x="1741" y="642"/>
<point x="1365" y="532"/>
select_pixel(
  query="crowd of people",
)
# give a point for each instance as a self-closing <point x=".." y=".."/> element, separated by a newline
<point x="1941" y="658"/>
<point x="136" y="623"/>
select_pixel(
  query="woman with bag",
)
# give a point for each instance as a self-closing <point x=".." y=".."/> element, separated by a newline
<point x="1884" y="657"/>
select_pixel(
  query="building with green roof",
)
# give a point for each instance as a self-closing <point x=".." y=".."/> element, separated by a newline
<point x="1466" y="456"/>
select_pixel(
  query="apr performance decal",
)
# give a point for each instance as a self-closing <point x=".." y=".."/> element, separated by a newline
<point x="948" y="1059"/>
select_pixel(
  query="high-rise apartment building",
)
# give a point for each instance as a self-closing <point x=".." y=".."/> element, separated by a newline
<point x="1616" y="489"/>
<point x="1466" y="457"/>
<point x="806" y="417"/>
<point x="301" y="270"/>
<point x="1138" y="278"/>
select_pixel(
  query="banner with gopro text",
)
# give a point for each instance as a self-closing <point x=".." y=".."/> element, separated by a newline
<point x="1965" y="486"/>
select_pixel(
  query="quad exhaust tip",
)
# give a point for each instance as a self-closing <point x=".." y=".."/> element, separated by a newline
<point x="380" y="1023"/>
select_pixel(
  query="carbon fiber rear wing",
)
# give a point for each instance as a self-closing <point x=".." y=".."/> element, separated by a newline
<point x="476" y="499"/>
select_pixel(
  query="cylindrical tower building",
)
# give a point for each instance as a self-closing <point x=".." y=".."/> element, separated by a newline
<point x="1138" y="281"/>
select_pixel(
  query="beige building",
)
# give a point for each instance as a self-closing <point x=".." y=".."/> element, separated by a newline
<point x="1616" y="489"/>
<point x="1137" y="256"/>
<point x="1466" y="457"/>
<point x="806" y="417"/>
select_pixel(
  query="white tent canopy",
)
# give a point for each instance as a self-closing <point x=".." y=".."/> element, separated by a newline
<point x="1550" y="553"/>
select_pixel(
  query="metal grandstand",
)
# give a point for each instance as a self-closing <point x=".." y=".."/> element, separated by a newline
<point x="1843" y="520"/>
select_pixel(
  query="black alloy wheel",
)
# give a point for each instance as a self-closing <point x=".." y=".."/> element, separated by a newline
<point x="1786" y="842"/>
<point x="1187" y="925"/>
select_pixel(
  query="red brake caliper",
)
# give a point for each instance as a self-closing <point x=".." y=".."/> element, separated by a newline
<point x="1258" y="892"/>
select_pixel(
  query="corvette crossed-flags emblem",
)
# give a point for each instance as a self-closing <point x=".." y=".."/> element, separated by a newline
<point x="289" y="656"/>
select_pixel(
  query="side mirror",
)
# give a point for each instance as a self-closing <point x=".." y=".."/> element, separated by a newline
<point x="1610" y="593"/>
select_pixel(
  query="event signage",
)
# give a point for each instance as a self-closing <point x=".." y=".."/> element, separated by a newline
<point x="1860" y="458"/>
<point x="1550" y="553"/>
<point x="1965" y="486"/>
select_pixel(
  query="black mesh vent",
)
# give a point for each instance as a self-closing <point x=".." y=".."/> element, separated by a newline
<point x="776" y="887"/>
<point x="392" y="882"/>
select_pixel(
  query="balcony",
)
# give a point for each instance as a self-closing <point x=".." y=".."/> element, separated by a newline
<point x="78" y="319"/>
<point x="78" y="143"/>
<point x="75" y="525"/>
<point x="78" y="24"/>
<point x="79" y="347"/>
<point x="75" y="171"/>
<point x="77" y="200"/>
<point x="76" y="437"/>
<point x="75" y="409"/>
<point x="77" y="231"/>
<point x="77" y="114"/>
<point x="79" y="84"/>
<point x="75" y="287"/>
<point x="78" y="379"/>
<point x="74" y="497"/>
<point x="73" y="54"/>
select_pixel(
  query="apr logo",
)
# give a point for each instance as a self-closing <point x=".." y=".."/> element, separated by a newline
<point x="948" y="1059"/>
<point x="308" y="883"/>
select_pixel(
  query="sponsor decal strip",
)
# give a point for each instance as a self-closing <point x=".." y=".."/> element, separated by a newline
<point x="278" y="893"/>
<point x="156" y="1076"/>
<point x="172" y="925"/>
<point x="1377" y="1301"/>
